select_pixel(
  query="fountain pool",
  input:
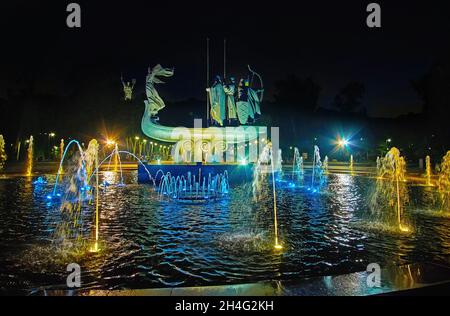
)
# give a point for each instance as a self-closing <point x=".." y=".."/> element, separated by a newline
<point x="147" y="242"/>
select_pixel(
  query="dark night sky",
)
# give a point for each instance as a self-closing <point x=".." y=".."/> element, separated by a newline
<point x="327" y="40"/>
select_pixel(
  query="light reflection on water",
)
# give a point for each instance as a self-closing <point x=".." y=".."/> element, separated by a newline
<point x="152" y="243"/>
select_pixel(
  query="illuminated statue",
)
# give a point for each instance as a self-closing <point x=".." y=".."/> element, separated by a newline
<point x="217" y="99"/>
<point x="154" y="103"/>
<point x="128" y="88"/>
<point x="249" y="99"/>
<point x="230" y="92"/>
<point x="244" y="108"/>
<point x="255" y="97"/>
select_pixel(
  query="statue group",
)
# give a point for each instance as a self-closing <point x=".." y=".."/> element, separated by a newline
<point x="231" y="103"/>
<point x="235" y="103"/>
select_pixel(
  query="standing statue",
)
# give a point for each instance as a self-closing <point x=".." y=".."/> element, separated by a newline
<point x="128" y="88"/>
<point x="255" y="96"/>
<point x="244" y="109"/>
<point x="217" y="100"/>
<point x="230" y="92"/>
<point x="154" y="103"/>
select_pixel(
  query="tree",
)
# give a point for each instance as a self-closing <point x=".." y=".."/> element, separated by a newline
<point x="295" y="91"/>
<point x="349" y="98"/>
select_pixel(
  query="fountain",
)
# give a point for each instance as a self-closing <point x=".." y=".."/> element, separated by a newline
<point x="350" y="165"/>
<point x="378" y="166"/>
<point x="188" y="189"/>
<point x="3" y="156"/>
<point x="325" y="165"/>
<point x="428" y="171"/>
<point x="117" y="159"/>
<point x="277" y="244"/>
<point x="61" y="151"/>
<point x="259" y="173"/>
<point x="91" y="158"/>
<point x="391" y="190"/>
<point x="297" y="165"/>
<point x="30" y="157"/>
<point x="78" y="190"/>
<point x="444" y="183"/>
<point x="317" y="170"/>
<point x="62" y="161"/>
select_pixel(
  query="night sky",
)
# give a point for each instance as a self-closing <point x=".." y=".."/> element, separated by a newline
<point x="327" y="40"/>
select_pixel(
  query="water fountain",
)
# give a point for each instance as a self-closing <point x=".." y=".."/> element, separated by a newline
<point x="378" y="166"/>
<point x="428" y="170"/>
<point x="3" y="156"/>
<point x="60" y="168"/>
<point x="277" y="244"/>
<point x="317" y="171"/>
<point x="444" y="184"/>
<point x="325" y="165"/>
<point x="297" y="165"/>
<point x="192" y="189"/>
<point x="259" y="173"/>
<point x="391" y="190"/>
<point x="30" y="157"/>
<point x="350" y="165"/>
<point x="61" y="152"/>
<point x="78" y="190"/>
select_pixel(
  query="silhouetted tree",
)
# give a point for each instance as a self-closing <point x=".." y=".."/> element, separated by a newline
<point x="295" y="91"/>
<point x="349" y="98"/>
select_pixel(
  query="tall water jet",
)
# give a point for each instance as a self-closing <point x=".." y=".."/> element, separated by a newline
<point x="391" y="190"/>
<point x="297" y="165"/>
<point x="91" y="158"/>
<point x="316" y="167"/>
<point x="78" y="190"/>
<point x="378" y="166"/>
<point x="3" y="156"/>
<point x="259" y="172"/>
<point x="61" y="153"/>
<point x="428" y="170"/>
<point x="277" y="244"/>
<point x="325" y="165"/>
<point x="30" y="157"/>
<point x="350" y="165"/>
<point x="444" y="184"/>
<point x="116" y="158"/>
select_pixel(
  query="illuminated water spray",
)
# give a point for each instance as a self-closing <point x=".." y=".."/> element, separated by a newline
<point x="2" y="153"/>
<point x="350" y="165"/>
<point x="60" y="169"/>
<point x="428" y="170"/>
<point x="325" y="165"/>
<point x="297" y="165"/>
<point x="391" y="190"/>
<point x="444" y="183"/>
<point x="30" y="157"/>
<point x="277" y="244"/>
<point x="317" y="170"/>
<point x="91" y="160"/>
<point x="259" y="172"/>
<point x="61" y="152"/>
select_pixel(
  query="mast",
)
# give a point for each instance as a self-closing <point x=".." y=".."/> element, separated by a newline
<point x="207" y="82"/>
<point x="224" y="58"/>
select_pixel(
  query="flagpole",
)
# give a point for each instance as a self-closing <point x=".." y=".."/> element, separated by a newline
<point x="207" y="82"/>
<point x="224" y="58"/>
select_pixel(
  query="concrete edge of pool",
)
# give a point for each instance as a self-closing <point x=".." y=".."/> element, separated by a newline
<point x="395" y="279"/>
